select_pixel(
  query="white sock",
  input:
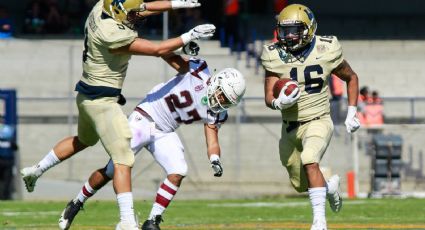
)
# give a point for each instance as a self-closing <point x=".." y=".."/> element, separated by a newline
<point x="318" y="201"/>
<point x="125" y="203"/>
<point x="86" y="192"/>
<point x="48" y="161"/>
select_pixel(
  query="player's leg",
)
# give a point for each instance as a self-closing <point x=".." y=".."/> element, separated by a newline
<point x="112" y="127"/>
<point x="316" y="136"/>
<point x="290" y="148"/>
<point x="62" y="151"/>
<point x="140" y="129"/>
<point x="168" y="151"/>
<point x="97" y="180"/>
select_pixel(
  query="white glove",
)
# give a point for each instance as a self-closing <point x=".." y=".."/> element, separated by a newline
<point x="177" y="4"/>
<point x="283" y="101"/>
<point x="216" y="165"/>
<point x="352" y="123"/>
<point x="203" y="31"/>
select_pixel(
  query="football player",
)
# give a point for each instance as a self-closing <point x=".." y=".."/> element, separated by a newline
<point x="110" y="40"/>
<point x="307" y="128"/>
<point x="192" y="96"/>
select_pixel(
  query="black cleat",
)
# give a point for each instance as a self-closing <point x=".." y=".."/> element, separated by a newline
<point x="152" y="224"/>
<point x="68" y="214"/>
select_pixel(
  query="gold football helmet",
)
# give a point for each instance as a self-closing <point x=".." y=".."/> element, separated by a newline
<point x="296" y="26"/>
<point x="126" y="12"/>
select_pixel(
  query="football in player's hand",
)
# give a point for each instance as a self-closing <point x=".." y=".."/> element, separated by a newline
<point x="281" y="83"/>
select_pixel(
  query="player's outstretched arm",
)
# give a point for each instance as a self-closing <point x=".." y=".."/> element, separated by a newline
<point x="161" y="6"/>
<point x="177" y="62"/>
<point x="142" y="46"/>
<point x="157" y="7"/>
<point x="345" y="73"/>
<point x="213" y="149"/>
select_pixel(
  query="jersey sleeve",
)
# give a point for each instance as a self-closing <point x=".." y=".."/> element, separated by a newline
<point x="266" y="60"/>
<point x="335" y="56"/>
<point x="118" y="35"/>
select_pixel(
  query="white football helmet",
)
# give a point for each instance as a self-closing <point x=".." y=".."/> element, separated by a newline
<point x="225" y="89"/>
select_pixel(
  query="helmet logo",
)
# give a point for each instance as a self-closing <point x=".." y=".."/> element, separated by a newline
<point x="116" y="3"/>
<point x="204" y="100"/>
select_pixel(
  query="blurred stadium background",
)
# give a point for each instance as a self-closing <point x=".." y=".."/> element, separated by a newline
<point x="382" y="40"/>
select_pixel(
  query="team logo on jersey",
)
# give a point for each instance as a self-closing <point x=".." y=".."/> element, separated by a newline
<point x="321" y="48"/>
<point x="199" y="88"/>
<point x="204" y="100"/>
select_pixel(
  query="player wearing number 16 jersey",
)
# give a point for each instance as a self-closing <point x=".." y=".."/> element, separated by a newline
<point x="192" y="96"/>
<point x="307" y="128"/>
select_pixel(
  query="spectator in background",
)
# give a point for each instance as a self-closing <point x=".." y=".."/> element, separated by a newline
<point x="231" y="22"/>
<point x="34" y="19"/>
<point x="75" y="11"/>
<point x="55" y="22"/>
<point x="362" y="101"/>
<point x="375" y="98"/>
<point x="192" y="18"/>
<point x="6" y="24"/>
<point x="374" y="110"/>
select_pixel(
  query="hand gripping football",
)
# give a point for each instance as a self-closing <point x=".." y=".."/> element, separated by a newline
<point x="278" y="86"/>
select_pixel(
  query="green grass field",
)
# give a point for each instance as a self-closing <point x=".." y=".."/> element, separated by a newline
<point x="291" y="213"/>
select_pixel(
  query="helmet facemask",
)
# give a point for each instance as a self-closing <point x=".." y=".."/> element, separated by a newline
<point x="134" y="19"/>
<point x="225" y="90"/>
<point x="217" y="100"/>
<point x="293" y="36"/>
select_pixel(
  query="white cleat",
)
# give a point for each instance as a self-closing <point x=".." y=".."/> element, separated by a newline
<point x="334" y="198"/>
<point x="127" y="226"/>
<point x="30" y="176"/>
<point x="319" y="224"/>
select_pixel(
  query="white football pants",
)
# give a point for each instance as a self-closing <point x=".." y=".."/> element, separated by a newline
<point x="166" y="148"/>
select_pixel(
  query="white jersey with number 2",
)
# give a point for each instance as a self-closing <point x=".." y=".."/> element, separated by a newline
<point x="183" y="99"/>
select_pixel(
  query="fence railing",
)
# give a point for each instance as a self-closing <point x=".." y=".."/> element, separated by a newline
<point x="397" y="110"/>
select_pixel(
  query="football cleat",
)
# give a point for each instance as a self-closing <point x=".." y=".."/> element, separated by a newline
<point x="334" y="198"/>
<point x="126" y="226"/>
<point x="30" y="176"/>
<point x="152" y="224"/>
<point x="68" y="214"/>
<point x="319" y="224"/>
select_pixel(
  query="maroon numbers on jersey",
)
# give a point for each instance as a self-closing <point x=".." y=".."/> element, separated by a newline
<point x="181" y="102"/>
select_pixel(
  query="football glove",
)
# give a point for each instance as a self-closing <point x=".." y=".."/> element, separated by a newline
<point x="203" y="31"/>
<point x="177" y="4"/>
<point x="284" y="101"/>
<point x="352" y="123"/>
<point x="216" y="165"/>
<point x="192" y="49"/>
